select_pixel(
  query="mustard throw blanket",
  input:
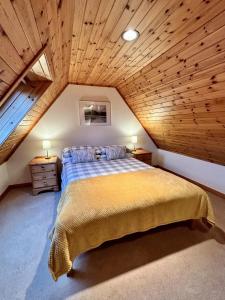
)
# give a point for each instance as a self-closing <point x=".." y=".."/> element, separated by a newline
<point x="92" y="211"/>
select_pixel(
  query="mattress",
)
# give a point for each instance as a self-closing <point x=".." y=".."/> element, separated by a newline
<point x="72" y="172"/>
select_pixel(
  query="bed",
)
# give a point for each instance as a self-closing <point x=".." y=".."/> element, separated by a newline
<point x="106" y="200"/>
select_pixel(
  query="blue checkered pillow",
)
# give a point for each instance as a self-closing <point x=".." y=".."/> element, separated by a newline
<point x="83" y="155"/>
<point x="115" y="152"/>
<point x="67" y="152"/>
<point x="100" y="152"/>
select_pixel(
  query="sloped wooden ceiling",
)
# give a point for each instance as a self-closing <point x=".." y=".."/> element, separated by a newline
<point x="179" y="97"/>
<point x="25" y="27"/>
<point x="172" y="77"/>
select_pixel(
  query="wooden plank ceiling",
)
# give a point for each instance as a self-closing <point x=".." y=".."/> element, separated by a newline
<point x="172" y="77"/>
<point x="25" y="27"/>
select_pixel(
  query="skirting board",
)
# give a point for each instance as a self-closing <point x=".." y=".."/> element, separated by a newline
<point x="204" y="187"/>
<point x="13" y="186"/>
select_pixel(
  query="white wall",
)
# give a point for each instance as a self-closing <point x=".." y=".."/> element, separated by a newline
<point x="4" y="178"/>
<point x="209" y="174"/>
<point x="61" y="125"/>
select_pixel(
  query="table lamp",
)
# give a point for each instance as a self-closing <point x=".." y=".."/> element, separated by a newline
<point x="46" y="146"/>
<point x="134" y="141"/>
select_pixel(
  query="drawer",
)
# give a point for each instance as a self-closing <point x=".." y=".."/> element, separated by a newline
<point x="43" y="168"/>
<point x="44" y="183"/>
<point x="144" y="157"/>
<point x="44" y="175"/>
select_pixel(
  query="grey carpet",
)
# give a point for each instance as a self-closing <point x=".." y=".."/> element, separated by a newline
<point x="171" y="262"/>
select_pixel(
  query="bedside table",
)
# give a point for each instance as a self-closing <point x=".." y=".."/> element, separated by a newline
<point x="143" y="155"/>
<point x="44" y="174"/>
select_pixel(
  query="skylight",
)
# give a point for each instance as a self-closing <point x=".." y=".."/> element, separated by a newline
<point x="21" y="97"/>
<point x="18" y="105"/>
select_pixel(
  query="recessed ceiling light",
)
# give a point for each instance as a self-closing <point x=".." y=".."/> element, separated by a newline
<point x="130" y="35"/>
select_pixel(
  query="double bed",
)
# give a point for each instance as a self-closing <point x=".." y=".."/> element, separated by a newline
<point x="105" y="200"/>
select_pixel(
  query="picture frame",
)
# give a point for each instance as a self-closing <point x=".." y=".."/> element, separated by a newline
<point x="95" y="113"/>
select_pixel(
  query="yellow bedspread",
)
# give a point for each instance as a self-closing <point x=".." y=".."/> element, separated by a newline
<point x="92" y="211"/>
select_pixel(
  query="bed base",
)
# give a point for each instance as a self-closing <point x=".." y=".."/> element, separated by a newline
<point x="201" y="224"/>
<point x="198" y="224"/>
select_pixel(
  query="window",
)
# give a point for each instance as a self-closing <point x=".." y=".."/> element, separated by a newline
<point x="23" y="97"/>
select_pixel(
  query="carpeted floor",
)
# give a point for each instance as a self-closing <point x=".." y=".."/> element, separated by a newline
<point x="168" y="263"/>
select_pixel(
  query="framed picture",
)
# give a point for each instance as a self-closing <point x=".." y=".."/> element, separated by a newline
<point x="94" y="113"/>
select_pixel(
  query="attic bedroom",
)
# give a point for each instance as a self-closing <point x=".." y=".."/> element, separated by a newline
<point x="112" y="149"/>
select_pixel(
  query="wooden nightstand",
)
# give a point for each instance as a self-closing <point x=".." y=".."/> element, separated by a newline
<point x="143" y="155"/>
<point x="44" y="174"/>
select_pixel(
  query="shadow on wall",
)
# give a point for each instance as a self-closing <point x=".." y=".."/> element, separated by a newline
<point x="160" y="158"/>
<point x="112" y="259"/>
<point x="57" y="145"/>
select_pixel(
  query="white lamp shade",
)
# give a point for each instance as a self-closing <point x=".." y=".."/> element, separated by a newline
<point x="134" y="139"/>
<point x="46" y="145"/>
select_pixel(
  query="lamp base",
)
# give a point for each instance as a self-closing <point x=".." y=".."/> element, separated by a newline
<point x="47" y="156"/>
